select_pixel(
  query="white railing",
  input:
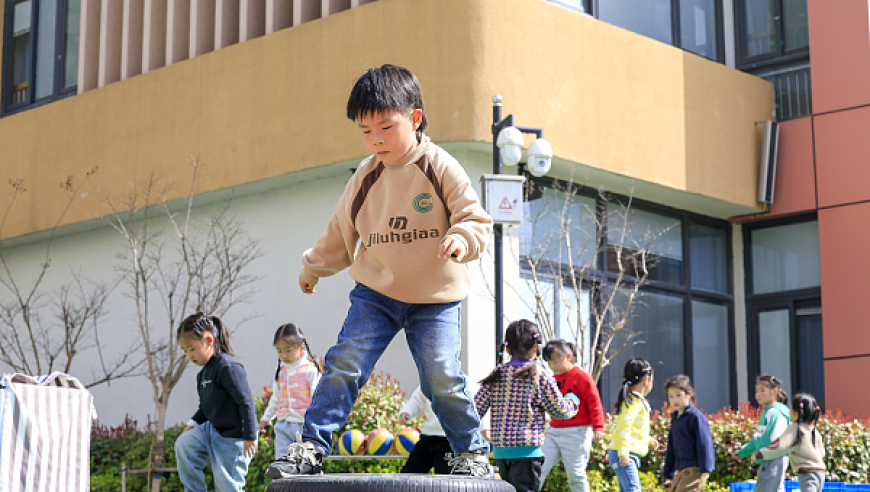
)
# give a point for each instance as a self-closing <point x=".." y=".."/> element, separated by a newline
<point x="124" y="38"/>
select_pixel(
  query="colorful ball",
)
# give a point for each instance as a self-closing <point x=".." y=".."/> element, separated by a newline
<point x="379" y="441"/>
<point x="352" y="442"/>
<point x="405" y="441"/>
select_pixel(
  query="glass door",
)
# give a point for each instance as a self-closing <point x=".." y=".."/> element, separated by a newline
<point x="788" y="344"/>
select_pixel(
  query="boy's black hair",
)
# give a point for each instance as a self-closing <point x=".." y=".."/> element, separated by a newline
<point x="388" y="88"/>
<point x="293" y="335"/>
<point x="808" y="412"/>
<point x="773" y="383"/>
<point x="520" y="339"/>
<point x="635" y="370"/>
<point x="682" y="383"/>
<point x="560" y="348"/>
<point x="197" y="325"/>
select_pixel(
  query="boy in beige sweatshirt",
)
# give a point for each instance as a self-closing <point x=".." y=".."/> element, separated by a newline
<point x="404" y="225"/>
<point x="802" y="443"/>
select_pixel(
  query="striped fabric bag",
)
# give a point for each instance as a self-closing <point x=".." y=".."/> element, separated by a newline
<point x="45" y="434"/>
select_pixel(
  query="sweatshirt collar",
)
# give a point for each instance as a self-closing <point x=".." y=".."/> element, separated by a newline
<point x="519" y="361"/>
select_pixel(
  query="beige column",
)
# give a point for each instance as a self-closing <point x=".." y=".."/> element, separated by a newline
<point x="226" y="29"/>
<point x="252" y="19"/>
<point x="89" y="45"/>
<point x="154" y="35"/>
<point x="177" y="31"/>
<point x="329" y="7"/>
<point x="202" y="19"/>
<point x="131" y="38"/>
<point x="306" y="10"/>
<point x="279" y="15"/>
<point x="111" y="20"/>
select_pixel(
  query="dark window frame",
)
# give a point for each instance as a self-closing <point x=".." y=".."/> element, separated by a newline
<point x="600" y="275"/>
<point x="676" y="37"/>
<point x="781" y="55"/>
<point x="58" y="90"/>
<point x="756" y="303"/>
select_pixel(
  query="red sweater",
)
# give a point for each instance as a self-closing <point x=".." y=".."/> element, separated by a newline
<point x="590" y="411"/>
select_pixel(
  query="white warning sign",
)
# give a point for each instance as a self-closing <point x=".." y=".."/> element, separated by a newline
<point x="503" y="198"/>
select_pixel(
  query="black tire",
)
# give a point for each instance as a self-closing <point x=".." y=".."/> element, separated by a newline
<point x="388" y="482"/>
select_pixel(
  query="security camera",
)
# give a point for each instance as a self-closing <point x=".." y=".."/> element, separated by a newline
<point x="510" y="141"/>
<point x="540" y="156"/>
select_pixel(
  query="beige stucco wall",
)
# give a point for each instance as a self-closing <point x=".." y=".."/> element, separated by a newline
<point x="608" y="99"/>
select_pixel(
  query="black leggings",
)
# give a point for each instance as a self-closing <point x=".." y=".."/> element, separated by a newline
<point x="430" y="451"/>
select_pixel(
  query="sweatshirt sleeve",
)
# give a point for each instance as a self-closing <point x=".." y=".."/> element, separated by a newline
<point x="483" y="399"/>
<point x="272" y="408"/>
<point x="313" y="379"/>
<point x="468" y="220"/>
<point x="334" y="250"/>
<point x="415" y="405"/>
<point x="781" y="446"/>
<point x="765" y="433"/>
<point x="589" y="395"/>
<point x="704" y="445"/>
<point x="235" y="380"/>
<point x="556" y="405"/>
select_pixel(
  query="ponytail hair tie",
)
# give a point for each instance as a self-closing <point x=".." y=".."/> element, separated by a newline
<point x="817" y="408"/>
<point x="535" y="336"/>
<point x="802" y="404"/>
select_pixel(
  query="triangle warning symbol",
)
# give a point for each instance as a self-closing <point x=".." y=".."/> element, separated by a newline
<point x="505" y="205"/>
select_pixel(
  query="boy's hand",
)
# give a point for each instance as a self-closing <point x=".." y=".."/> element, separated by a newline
<point x="305" y="286"/>
<point x="452" y="247"/>
<point x="623" y="461"/>
<point x="486" y="435"/>
<point x="598" y="435"/>
<point x="654" y="444"/>
<point x="262" y="427"/>
<point x="757" y="457"/>
<point x="404" y="417"/>
<point x="187" y="429"/>
<point x="250" y="448"/>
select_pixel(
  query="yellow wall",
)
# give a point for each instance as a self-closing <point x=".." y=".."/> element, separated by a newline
<point x="607" y="98"/>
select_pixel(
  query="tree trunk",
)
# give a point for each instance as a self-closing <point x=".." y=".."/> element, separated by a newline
<point x="159" y="446"/>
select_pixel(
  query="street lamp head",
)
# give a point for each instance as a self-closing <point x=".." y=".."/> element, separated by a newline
<point x="540" y="157"/>
<point x="510" y="141"/>
<point x="496" y="99"/>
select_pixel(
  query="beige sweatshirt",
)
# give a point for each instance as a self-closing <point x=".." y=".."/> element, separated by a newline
<point x="803" y="457"/>
<point x="390" y="221"/>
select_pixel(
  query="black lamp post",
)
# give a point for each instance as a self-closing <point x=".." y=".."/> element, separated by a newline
<point x="499" y="124"/>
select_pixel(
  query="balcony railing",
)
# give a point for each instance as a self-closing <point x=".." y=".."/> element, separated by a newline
<point x="793" y="90"/>
<point x="121" y="39"/>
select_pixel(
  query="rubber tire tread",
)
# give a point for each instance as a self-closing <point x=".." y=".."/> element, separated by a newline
<point x="388" y="482"/>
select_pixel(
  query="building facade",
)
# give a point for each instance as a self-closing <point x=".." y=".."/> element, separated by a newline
<point x="647" y="101"/>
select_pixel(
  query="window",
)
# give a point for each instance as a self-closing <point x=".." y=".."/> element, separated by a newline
<point x="784" y="304"/>
<point x="693" y="25"/>
<point x="771" y="31"/>
<point x="684" y="312"/>
<point x="40" y="60"/>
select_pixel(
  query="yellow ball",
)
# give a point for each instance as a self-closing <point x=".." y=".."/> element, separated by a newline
<point x="405" y="441"/>
<point x="379" y="441"/>
<point x="352" y="442"/>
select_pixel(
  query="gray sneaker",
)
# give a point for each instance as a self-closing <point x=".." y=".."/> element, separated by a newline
<point x="302" y="458"/>
<point x="474" y="464"/>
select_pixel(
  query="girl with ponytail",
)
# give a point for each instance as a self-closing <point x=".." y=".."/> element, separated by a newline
<point x="774" y="420"/>
<point x="296" y="378"/>
<point x="802" y="443"/>
<point x="224" y="428"/>
<point x="631" y="435"/>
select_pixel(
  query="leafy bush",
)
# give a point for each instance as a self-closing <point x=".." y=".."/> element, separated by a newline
<point x="847" y="443"/>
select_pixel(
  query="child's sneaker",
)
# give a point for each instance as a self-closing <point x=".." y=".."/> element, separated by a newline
<point x="302" y="458"/>
<point x="474" y="464"/>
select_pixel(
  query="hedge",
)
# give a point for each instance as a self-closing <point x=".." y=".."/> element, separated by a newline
<point x="847" y="442"/>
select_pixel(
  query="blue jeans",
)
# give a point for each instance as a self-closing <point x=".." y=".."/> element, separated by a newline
<point x="433" y="335"/>
<point x="629" y="480"/>
<point x="203" y="444"/>
<point x="285" y="435"/>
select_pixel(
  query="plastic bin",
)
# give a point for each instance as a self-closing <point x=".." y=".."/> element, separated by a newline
<point x="794" y="486"/>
